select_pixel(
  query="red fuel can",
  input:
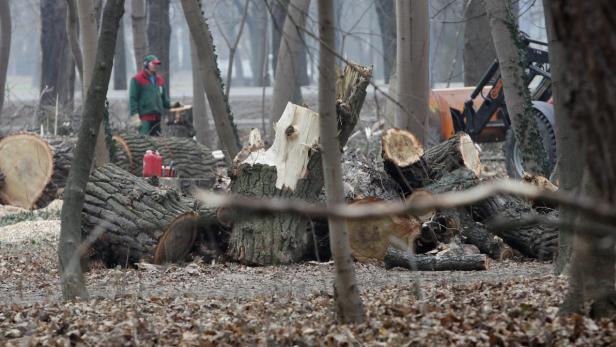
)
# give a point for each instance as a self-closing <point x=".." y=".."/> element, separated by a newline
<point x="152" y="164"/>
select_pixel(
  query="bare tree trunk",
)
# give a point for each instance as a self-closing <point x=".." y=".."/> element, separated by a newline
<point x="349" y="308"/>
<point x="511" y="54"/>
<point x="119" y="68"/>
<point x="73" y="283"/>
<point x="592" y="111"/>
<point x="72" y="31"/>
<point x="200" y="115"/>
<point x="257" y="23"/>
<point x="233" y="48"/>
<point x="412" y="67"/>
<point x="159" y="36"/>
<point x="279" y="13"/>
<point x="287" y="84"/>
<point x="479" y="50"/>
<point x="570" y="160"/>
<point x="385" y="10"/>
<point x="5" y="46"/>
<point x="211" y="79"/>
<point x="140" y="42"/>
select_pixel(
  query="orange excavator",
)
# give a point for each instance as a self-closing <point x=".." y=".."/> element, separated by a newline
<point x="481" y="111"/>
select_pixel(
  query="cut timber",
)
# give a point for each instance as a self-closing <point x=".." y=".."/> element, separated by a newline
<point x="291" y="168"/>
<point x="34" y="169"/>
<point x="457" y="152"/>
<point x="477" y="234"/>
<point x="398" y="258"/>
<point x="370" y="238"/>
<point x="361" y="180"/>
<point x="140" y="222"/>
<point x="192" y="159"/>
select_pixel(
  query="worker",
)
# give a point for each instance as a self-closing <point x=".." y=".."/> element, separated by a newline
<point x="148" y="97"/>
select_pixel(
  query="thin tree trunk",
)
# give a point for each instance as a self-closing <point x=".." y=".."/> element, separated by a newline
<point x="5" y="46"/>
<point x="159" y="36"/>
<point x="511" y="56"/>
<point x="140" y="42"/>
<point x="287" y="84"/>
<point x="592" y="111"/>
<point x="386" y="14"/>
<point x="211" y="79"/>
<point x="349" y="308"/>
<point x="233" y="48"/>
<point x="570" y="159"/>
<point x="119" y="68"/>
<point x="72" y="31"/>
<point x="200" y="115"/>
<point x="257" y="23"/>
<point x="412" y="67"/>
<point x="479" y="51"/>
<point x="279" y="13"/>
<point x="73" y="283"/>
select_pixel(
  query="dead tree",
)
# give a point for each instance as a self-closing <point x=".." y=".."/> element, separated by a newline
<point x="5" y="46"/>
<point x="73" y="284"/>
<point x="211" y="79"/>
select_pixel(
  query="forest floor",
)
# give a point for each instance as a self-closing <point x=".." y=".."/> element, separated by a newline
<point x="515" y="302"/>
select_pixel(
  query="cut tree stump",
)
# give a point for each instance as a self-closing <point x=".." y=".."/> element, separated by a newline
<point x="192" y="159"/>
<point x="34" y="169"/>
<point x="140" y="222"/>
<point x="397" y="258"/>
<point x="291" y="168"/>
<point x="370" y="238"/>
<point x="402" y="163"/>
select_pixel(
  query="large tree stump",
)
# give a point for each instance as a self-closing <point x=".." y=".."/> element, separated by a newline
<point x="192" y="159"/>
<point x="402" y="162"/>
<point x="398" y="258"/>
<point x="140" y="222"/>
<point x="34" y="169"/>
<point x="291" y="168"/>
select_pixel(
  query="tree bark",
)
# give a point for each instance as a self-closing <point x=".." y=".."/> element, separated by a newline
<point x="385" y="10"/>
<point x="397" y="258"/>
<point x="119" y="68"/>
<point x="159" y="36"/>
<point x="28" y="188"/>
<point x="140" y="42"/>
<point x="278" y="12"/>
<point x="257" y="23"/>
<point x="201" y="121"/>
<point x="349" y="307"/>
<point x="479" y="51"/>
<point x="72" y="30"/>
<point x="570" y="160"/>
<point x="73" y="283"/>
<point x="287" y="82"/>
<point x="592" y="112"/>
<point x="511" y="54"/>
<point x="211" y="79"/>
<point x="5" y="46"/>
<point x="412" y="61"/>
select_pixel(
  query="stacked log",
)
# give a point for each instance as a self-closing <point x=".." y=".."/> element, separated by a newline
<point x="34" y="169"/>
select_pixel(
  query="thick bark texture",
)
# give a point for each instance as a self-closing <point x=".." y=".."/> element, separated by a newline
<point x="140" y="42"/>
<point x="590" y="69"/>
<point x="287" y="83"/>
<point x="28" y="187"/>
<point x="119" y="63"/>
<point x="291" y="168"/>
<point x="192" y="159"/>
<point x="140" y="222"/>
<point x="201" y="122"/>
<point x="401" y="162"/>
<point x="211" y="79"/>
<point x="385" y="10"/>
<point x="159" y="35"/>
<point x="398" y="258"/>
<point x="511" y="54"/>
<point x="412" y="61"/>
<point x="479" y="50"/>
<point x="73" y="284"/>
<point x="5" y="46"/>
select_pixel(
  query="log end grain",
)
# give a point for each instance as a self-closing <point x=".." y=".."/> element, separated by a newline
<point x="401" y="147"/>
<point x="177" y="240"/>
<point x="469" y="154"/>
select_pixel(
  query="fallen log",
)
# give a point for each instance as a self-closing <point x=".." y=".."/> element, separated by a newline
<point x="192" y="159"/>
<point x="397" y="258"/>
<point x="488" y="243"/>
<point x="290" y="168"/>
<point x="402" y="163"/>
<point x="34" y="169"/>
<point x="140" y="222"/>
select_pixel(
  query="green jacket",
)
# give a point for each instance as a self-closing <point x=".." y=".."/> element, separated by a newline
<point x="148" y="99"/>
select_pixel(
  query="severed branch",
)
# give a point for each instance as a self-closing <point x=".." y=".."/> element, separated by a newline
<point x="603" y="212"/>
